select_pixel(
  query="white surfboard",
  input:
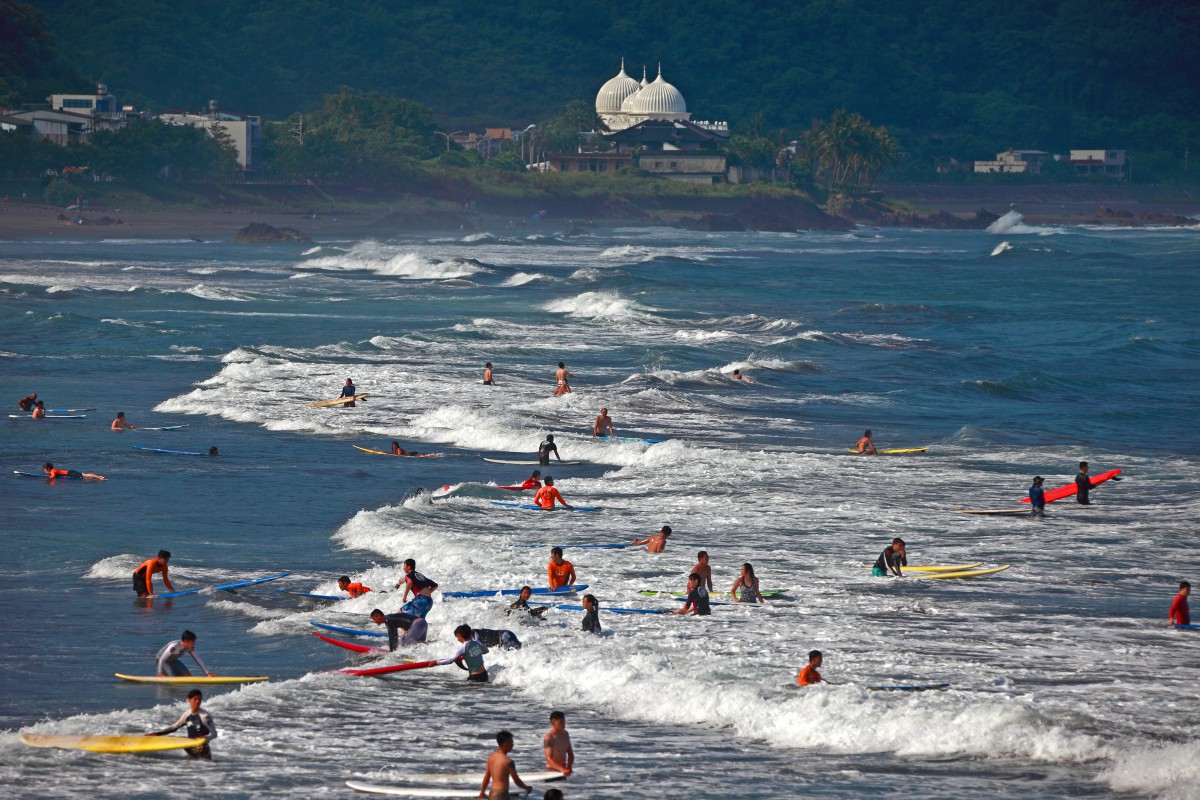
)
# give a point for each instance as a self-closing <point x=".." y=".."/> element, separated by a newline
<point x="531" y="462"/>
<point x="439" y="791"/>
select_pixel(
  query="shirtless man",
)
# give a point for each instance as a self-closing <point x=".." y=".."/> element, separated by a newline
<point x="546" y="496"/>
<point x="562" y="387"/>
<point x="488" y="380"/>
<point x="397" y="450"/>
<point x="603" y="423"/>
<point x="658" y="542"/>
<point x="703" y="569"/>
<point x="499" y="769"/>
<point x="26" y="403"/>
<point x="39" y="410"/>
<point x="738" y="376"/>
<point x="121" y="424"/>
<point x="557" y="745"/>
<point x="865" y="446"/>
<point x="559" y="572"/>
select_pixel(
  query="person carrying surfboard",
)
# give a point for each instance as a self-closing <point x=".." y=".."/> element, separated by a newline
<point x="199" y="724"/>
<point x="1037" y="498"/>
<point x="469" y="655"/>
<point x="122" y="424"/>
<point x="656" y="543"/>
<point x="354" y="589"/>
<point x="142" y="583"/>
<point x="891" y="560"/>
<point x="53" y="473"/>
<point x="500" y="768"/>
<point x="545" y="449"/>
<point x="1179" y="613"/>
<point x="865" y="446"/>
<point x="170" y="657"/>
<point x="556" y="745"/>
<point x="559" y="572"/>
<point x="548" y="494"/>
<point x="809" y="675"/>
<point x="603" y="423"/>
<point x="349" y="391"/>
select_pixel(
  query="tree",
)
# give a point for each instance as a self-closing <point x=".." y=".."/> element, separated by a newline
<point x="561" y="134"/>
<point x="848" y="151"/>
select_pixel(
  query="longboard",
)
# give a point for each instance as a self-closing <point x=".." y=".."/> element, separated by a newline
<point x="936" y="568"/>
<point x="389" y="669"/>
<point x="658" y="593"/>
<point x="51" y="416"/>
<point x="111" y="744"/>
<point x="609" y="609"/>
<point x="351" y="631"/>
<point x="970" y="573"/>
<point x="164" y="428"/>
<point x="1071" y="488"/>
<point x="532" y="463"/>
<point x="894" y="451"/>
<point x="611" y="546"/>
<point x="532" y="507"/>
<point x="438" y="791"/>
<point x="396" y="455"/>
<point x="540" y="590"/>
<point x="20" y="474"/>
<point x="470" y="778"/>
<point x="337" y="401"/>
<point x="168" y="452"/>
<point x="632" y="439"/>
<point x="224" y="586"/>
<point x="357" y="648"/>
<point x="68" y="410"/>
<point x="1187" y="627"/>
<point x="196" y="679"/>
<point x="923" y="687"/>
<point x="311" y="595"/>
<point x="995" y="512"/>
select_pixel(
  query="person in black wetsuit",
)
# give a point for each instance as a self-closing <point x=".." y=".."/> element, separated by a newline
<point x="1083" y="485"/>
<point x="415" y="628"/>
<point x="505" y="640"/>
<point x="697" y="598"/>
<point x="199" y="724"/>
<point x="591" y="616"/>
<point x="522" y="604"/>
<point x="891" y="560"/>
<point x="546" y="448"/>
<point x="349" y="391"/>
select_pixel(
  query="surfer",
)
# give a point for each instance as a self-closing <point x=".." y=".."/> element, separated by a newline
<point x="1179" y="613"/>
<point x="397" y="450"/>
<point x="738" y="376"/>
<point x="53" y="473"/>
<point x="415" y="582"/>
<point x="522" y="604"/>
<point x="559" y="571"/>
<point x="488" y="380"/>
<point x="170" y="664"/>
<point x="562" y="387"/>
<point x="745" y="588"/>
<point x="349" y="391"/>
<point x="546" y="496"/>
<point x="1083" y="485"/>
<point x="591" y="614"/>
<point x="39" y="410"/>
<point x="809" y="675"/>
<point x="890" y="560"/>
<point x="213" y="451"/>
<point x="865" y="446"/>
<point x="603" y="423"/>
<point x="415" y="628"/>
<point x="703" y="569"/>
<point x="534" y="481"/>
<point x="657" y="542"/>
<point x="697" y="598"/>
<point x="504" y="639"/>
<point x="121" y="424"/>
<point x="355" y="589"/>
<point x="199" y="724"/>
<point x="556" y="744"/>
<point x="1037" y="498"/>
<point x="141" y="576"/>
<point x="546" y="448"/>
<point x="26" y="403"/>
<point x="469" y="655"/>
<point x="500" y="768"/>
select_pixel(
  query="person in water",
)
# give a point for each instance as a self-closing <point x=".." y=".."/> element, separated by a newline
<point x="656" y="543"/>
<point x="865" y="446"/>
<point x="548" y="494"/>
<point x="591" y="614"/>
<point x="53" y="473"/>
<point x="561" y="376"/>
<point x="703" y="570"/>
<point x="415" y="628"/>
<point x="500" y="770"/>
<point x="697" y="598"/>
<point x="39" y="410"/>
<point x="1179" y="613"/>
<point x="893" y="557"/>
<point x="415" y="583"/>
<point x="504" y="639"/>
<point x="213" y="451"/>
<point x="809" y="675"/>
<point x="349" y="391"/>
<point x="522" y="604"/>
<point x="738" y="376"/>
<point x="488" y="380"/>
<point x="469" y="655"/>
<point x="545" y="449"/>
<point x="170" y="658"/>
<point x="534" y="481"/>
<point x="1037" y="497"/>
<point x="142" y="583"/>
<point x="397" y="450"/>
<point x="122" y="424"/>
<point x="556" y="745"/>
<point x="603" y="423"/>
<point x="199" y="724"/>
<point x="559" y="572"/>
<point x="27" y="403"/>
<point x="1083" y="485"/>
<point x="355" y="589"/>
<point x="745" y="588"/>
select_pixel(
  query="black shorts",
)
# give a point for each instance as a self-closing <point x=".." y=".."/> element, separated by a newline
<point x="478" y="677"/>
<point x="74" y="473"/>
<point x="139" y="583"/>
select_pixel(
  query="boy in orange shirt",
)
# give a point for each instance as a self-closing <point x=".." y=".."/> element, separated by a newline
<point x="809" y="675"/>
<point x="559" y="572"/>
<point x="546" y="496"/>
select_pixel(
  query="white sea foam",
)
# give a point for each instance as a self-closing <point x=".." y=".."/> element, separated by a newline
<point x="606" y="305"/>
<point x="1168" y="771"/>
<point x="1001" y="248"/>
<point x="522" y="278"/>
<point x="386" y="260"/>
<point x="215" y="293"/>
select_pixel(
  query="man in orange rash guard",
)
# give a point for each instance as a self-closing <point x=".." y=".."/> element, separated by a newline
<point x="141" y="576"/>
<point x="546" y="496"/>
<point x="559" y="572"/>
<point x="355" y="589"/>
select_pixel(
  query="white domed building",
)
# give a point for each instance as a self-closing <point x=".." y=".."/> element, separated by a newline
<point x="623" y="102"/>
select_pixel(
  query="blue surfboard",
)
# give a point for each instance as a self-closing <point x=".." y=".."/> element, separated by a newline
<point x="225" y="586"/>
<point x="540" y="590"/>
<point x="532" y="507"/>
<point x="68" y="410"/>
<point x="351" y="631"/>
<point x="634" y="439"/>
<point x="1188" y="627"/>
<point x="311" y="595"/>
<point x="614" y="546"/>
<point x="169" y="452"/>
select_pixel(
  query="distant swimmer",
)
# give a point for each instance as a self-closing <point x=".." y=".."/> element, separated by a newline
<point x="559" y="572"/>
<point x="738" y="376"/>
<point x="745" y="588"/>
<point x="591" y="614"/>
<point x="522" y="604"/>
<point x="39" y="410"/>
<point x="500" y="770"/>
<point x="53" y="473"/>
<point x="1179" y="613"/>
<point x="703" y="570"/>
<point x="213" y="451"/>
<point x="199" y="724"/>
<point x="546" y="448"/>
<point x="504" y="639"/>
<point x="891" y="560"/>
<point x="349" y="391"/>
<point x="534" y="481"/>
<point x="1037" y="497"/>
<point x="27" y="403"/>
<point x="354" y="589"/>
<point x="809" y="675"/>
<point x="122" y="424"/>
<point x="415" y="628"/>
<point x="865" y="446"/>
<point x="546" y="496"/>
<point x="657" y="542"/>
<point x="603" y="423"/>
<point x="561" y="385"/>
<point x="170" y="658"/>
<point x="141" y="576"/>
<point x="556" y="745"/>
<point x="697" y="598"/>
<point x="415" y="583"/>
<point x="488" y="380"/>
<point x="397" y="450"/>
<point x="469" y="655"/>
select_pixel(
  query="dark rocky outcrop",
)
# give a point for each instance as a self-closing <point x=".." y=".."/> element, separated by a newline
<point x="718" y="222"/>
<point x="872" y="212"/>
<point x="262" y="233"/>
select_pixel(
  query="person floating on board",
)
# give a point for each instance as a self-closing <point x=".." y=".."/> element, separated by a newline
<point x="657" y="542"/>
<point x="591" y="614"/>
<point x="559" y="571"/>
<point x="504" y="639"/>
<point x="738" y="376"/>
<point x="745" y="588"/>
<point x="349" y="391"/>
<point x="1179" y="613"/>
<point x="355" y="589"/>
<point x="603" y="423"/>
<point x="488" y="380"/>
<point x="865" y="446"/>
<point x="562" y="387"/>
<point x="534" y="481"/>
<point x="122" y="424"/>
<point x="522" y="604"/>
<point x="53" y="473"/>
<point x="416" y="583"/>
<point x="546" y="496"/>
<point x="500" y="769"/>
<point x="170" y="663"/>
<point x="809" y="675"/>
<point x="199" y="724"/>
<point x="39" y="410"/>
<point x="397" y="450"/>
<point x="469" y="655"/>
<point x="545" y="449"/>
<point x="697" y="598"/>
<point x="891" y="560"/>
<point x="703" y="570"/>
<point x="556" y="745"/>
<point x="1037" y="498"/>
<point x="415" y="628"/>
<point x="141" y="576"/>
<point x="27" y="403"/>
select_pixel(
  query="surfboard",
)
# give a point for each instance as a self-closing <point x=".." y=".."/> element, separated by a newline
<point x="18" y="473"/>
<point x="1187" y="627"/>
<point x="389" y="669"/>
<point x="538" y="590"/>
<point x="394" y="455"/>
<point x="111" y="744"/>
<point x="412" y="791"/>
<point x="337" y="401"/>
<point x="923" y="687"/>
<point x="995" y="512"/>
<point x="1071" y="488"/>
<point x="938" y="568"/>
<point x="163" y="428"/>
<point x="470" y="778"/>
<point x="56" y="416"/>
<point x="970" y="573"/>
<point x="358" y="648"/>
<point x="661" y="593"/>
<point x="605" y="609"/>
<point x="612" y="546"/>
<point x="168" y="452"/>
<point x="201" y="680"/>
<point x="532" y="507"/>
<point x="533" y="462"/>
<point x="68" y="410"/>
<point x="632" y="439"/>
<point x="224" y="586"/>
<point x="893" y="451"/>
<point x="311" y="595"/>
<point x="351" y="631"/>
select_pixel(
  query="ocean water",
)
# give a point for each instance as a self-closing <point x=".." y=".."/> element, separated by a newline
<point x="1009" y="353"/>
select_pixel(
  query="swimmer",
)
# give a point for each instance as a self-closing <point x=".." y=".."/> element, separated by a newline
<point x="469" y="656"/>
<point x="556" y="745"/>
<point x="603" y="423"/>
<point x="809" y="675"/>
<point x="657" y="542"/>
<point x="865" y="446"/>
<point x="559" y="571"/>
<point x="199" y="724"/>
<point x="500" y="768"/>
<point x="170" y="658"/>
<point x="488" y="380"/>
<point x="546" y="448"/>
<point x="213" y="451"/>
<point x="354" y="589"/>
<point x="546" y="496"/>
<point x="697" y="598"/>
<point x="738" y="376"/>
<point x="142" y="583"/>
<point x="121" y="424"/>
<point x="53" y="473"/>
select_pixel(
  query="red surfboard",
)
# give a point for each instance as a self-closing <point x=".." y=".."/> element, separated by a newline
<point x="358" y="648"/>
<point x="389" y="670"/>
<point x="1071" y="488"/>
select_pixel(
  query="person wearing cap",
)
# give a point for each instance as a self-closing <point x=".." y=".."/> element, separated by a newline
<point x="1037" y="498"/>
<point x="657" y="542"/>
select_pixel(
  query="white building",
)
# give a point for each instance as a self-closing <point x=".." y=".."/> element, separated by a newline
<point x="246" y="131"/>
<point x="1110" y="163"/>
<point x="623" y="102"/>
<point x="1015" y="161"/>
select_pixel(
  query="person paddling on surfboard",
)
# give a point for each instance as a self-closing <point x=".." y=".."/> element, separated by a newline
<point x="890" y="560"/>
<point x="397" y="450"/>
<point x="170" y="658"/>
<point x="53" y="473"/>
<point x="603" y="423"/>
<point x="1037" y="498"/>
<point x="545" y="449"/>
<point x="1179" y="613"/>
<point x="142" y="583"/>
<point x="349" y="391"/>
<point x="865" y="446"/>
<point x="548" y="494"/>
<point x="122" y="424"/>
<point x="199" y="724"/>
<point x="657" y="542"/>
<point x="556" y="745"/>
<point x="559" y="572"/>
<point x="469" y="655"/>
<point x="354" y="589"/>
<point x="500" y="768"/>
<point x="809" y="675"/>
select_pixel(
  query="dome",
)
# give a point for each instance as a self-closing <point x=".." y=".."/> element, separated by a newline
<point x="659" y="97"/>
<point x="614" y="92"/>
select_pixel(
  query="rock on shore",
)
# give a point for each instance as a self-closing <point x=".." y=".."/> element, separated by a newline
<point x="262" y="233"/>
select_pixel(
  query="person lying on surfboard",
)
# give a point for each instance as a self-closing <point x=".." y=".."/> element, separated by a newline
<point x="53" y="473"/>
<point x="170" y="658"/>
<point x="890" y="560"/>
<point x="397" y="450"/>
<point x="349" y="391"/>
<point x="469" y="655"/>
<point x="548" y="494"/>
<point x="199" y="724"/>
<point x="657" y="542"/>
<point x="865" y="446"/>
<point x="591" y="614"/>
<point x="355" y="589"/>
<point x="522" y="604"/>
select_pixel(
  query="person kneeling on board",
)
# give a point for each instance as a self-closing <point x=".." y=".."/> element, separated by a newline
<point x="142" y="583"/>
<point x="415" y="628"/>
<point x="170" y="664"/>
<point x="522" y="604"/>
<point x="697" y="598"/>
<point x="199" y="724"/>
<point x="504" y="639"/>
<point x="355" y="589"/>
<point x="546" y="496"/>
<point x="809" y="675"/>
<point x="469" y="655"/>
<point x="890" y="560"/>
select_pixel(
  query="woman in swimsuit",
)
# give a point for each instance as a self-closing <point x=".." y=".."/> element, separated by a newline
<point x="745" y="588"/>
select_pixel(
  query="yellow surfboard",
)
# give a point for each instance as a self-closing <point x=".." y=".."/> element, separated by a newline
<point x="199" y="680"/>
<point x="111" y="744"/>
<point x="970" y="573"/>
<point x="941" y="568"/>
<point x="337" y="401"/>
<point x="894" y="451"/>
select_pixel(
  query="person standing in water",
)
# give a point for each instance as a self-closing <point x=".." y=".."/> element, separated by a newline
<point x="142" y="583"/>
<point x="809" y="675"/>
<point x="547" y="495"/>
<point x="1037" y="498"/>
<point x="893" y="557"/>
<point x="561" y="376"/>
<point x="1083" y="485"/>
<point x="27" y="403"/>
<point x="545" y="449"/>
<point x="745" y="588"/>
<point x="556" y="745"/>
<point x="591" y="614"/>
<point x="122" y="424"/>
<point x="865" y="446"/>
<point x="349" y="391"/>
<point x="199" y="724"/>
<point x="469" y="655"/>
<point x="703" y="570"/>
<point x="656" y="543"/>
<point x="697" y="598"/>
<point x="603" y="423"/>
<point x="488" y="380"/>
<point x="1179" y="613"/>
<point x="500" y="769"/>
<point x="559" y="572"/>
